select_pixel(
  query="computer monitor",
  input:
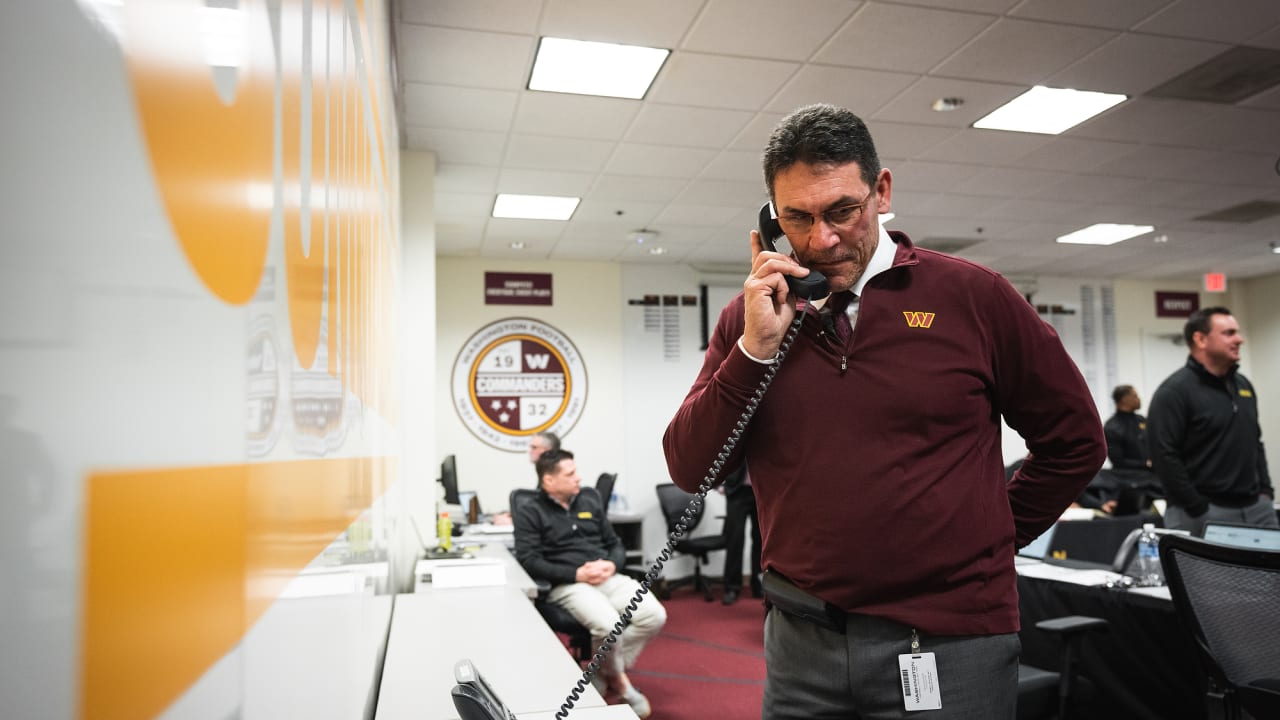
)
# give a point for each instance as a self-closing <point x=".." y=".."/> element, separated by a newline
<point x="1250" y="536"/>
<point x="449" y="479"/>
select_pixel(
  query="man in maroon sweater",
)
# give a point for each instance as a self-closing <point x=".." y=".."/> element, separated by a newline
<point x="876" y="454"/>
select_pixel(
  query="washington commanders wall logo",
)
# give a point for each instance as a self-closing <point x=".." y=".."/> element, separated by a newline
<point x="516" y="377"/>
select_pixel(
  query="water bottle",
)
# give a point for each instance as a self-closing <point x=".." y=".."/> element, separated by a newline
<point x="444" y="532"/>
<point x="1146" y="567"/>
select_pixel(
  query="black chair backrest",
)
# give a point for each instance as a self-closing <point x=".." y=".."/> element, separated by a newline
<point x="520" y="496"/>
<point x="604" y="486"/>
<point x="1229" y="599"/>
<point x="673" y="502"/>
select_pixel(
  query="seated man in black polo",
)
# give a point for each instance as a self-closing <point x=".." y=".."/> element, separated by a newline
<point x="565" y="538"/>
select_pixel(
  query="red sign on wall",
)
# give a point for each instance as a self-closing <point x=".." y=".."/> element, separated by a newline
<point x="1176" y="304"/>
<point x="502" y="288"/>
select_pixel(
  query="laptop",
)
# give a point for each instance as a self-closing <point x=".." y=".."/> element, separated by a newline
<point x="1249" y="536"/>
<point x="1039" y="547"/>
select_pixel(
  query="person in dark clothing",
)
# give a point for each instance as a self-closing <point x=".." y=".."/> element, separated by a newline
<point x="1130" y="474"/>
<point x="889" y="529"/>
<point x="740" y="506"/>
<point x="1206" y="443"/>
<point x="1126" y="432"/>
<point x="565" y="538"/>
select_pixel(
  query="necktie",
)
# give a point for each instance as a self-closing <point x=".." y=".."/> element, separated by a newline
<point x="839" y="305"/>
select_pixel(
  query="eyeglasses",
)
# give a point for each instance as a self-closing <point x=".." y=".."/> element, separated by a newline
<point x="840" y="218"/>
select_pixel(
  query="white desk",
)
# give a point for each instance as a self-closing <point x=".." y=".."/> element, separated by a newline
<point x="499" y="630"/>
<point x="516" y="577"/>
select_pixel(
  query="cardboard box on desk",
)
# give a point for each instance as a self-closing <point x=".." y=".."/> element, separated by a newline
<point x="462" y="572"/>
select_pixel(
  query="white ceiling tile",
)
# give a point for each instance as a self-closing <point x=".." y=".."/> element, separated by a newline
<point x="621" y="214"/>
<point x="924" y="176"/>
<point x="950" y="205"/>
<point x="887" y="37"/>
<point x="736" y="165"/>
<point x="1132" y="64"/>
<point x="915" y="105"/>
<point x="658" y="161"/>
<point x="554" y="153"/>
<point x="1022" y="51"/>
<point x="1211" y="20"/>
<point x="564" y="114"/>
<point x="863" y="91"/>
<point x="722" y="192"/>
<point x="630" y="187"/>
<point x="1093" y="13"/>
<point x="1089" y="189"/>
<point x="1008" y="182"/>
<point x="539" y="231"/>
<point x="995" y="147"/>
<point x="466" y="178"/>
<point x="443" y="56"/>
<point x="654" y="23"/>
<point x="511" y="16"/>
<point x="989" y="7"/>
<point x="1152" y="161"/>
<point x="783" y="31"/>
<point x="697" y="215"/>
<point x="458" y="108"/>
<point x="1144" y="120"/>
<point x="543" y="182"/>
<point x="687" y="126"/>
<point x="903" y="141"/>
<point x="452" y="206"/>
<point x="1233" y="128"/>
<point x="756" y="134"/>
<point x="717" y="81"/>
<point x="461" y="147"/>
<point x="1073" y="154"/>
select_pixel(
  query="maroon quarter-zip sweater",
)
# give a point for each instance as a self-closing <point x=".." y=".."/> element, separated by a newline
<point x="881" y="485"/>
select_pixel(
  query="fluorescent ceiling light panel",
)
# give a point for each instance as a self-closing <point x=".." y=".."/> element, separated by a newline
<point x="535" y="207"/>
<point x="1048" y="110"/>
<point x="595" y="68"/>
<point x="1104" y="234"/>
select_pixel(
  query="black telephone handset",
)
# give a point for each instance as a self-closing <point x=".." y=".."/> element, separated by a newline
<point x="473" y="698"/>
<point x="810" y="287"/>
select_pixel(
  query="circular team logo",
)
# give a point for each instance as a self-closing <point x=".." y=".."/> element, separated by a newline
<point x="516" y="377"/>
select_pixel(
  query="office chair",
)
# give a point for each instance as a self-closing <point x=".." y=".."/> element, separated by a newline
<point x="604" y="486"/>
<point x="557" y="618"/>
<point x="1046" y="693"/>
<point x="673" y="502"/>
<point x="1228" y="599"/>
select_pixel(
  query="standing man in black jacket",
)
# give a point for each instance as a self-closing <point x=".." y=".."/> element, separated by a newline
<point x="1206" y="444"/>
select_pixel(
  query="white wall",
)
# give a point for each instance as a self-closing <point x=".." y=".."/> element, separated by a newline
<point x="1261" y="326"/>
<point x="587" y="309"/>
<point x="416" y="491"/>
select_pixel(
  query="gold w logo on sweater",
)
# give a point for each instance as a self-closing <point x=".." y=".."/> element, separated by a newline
<point x="917" y="319"/>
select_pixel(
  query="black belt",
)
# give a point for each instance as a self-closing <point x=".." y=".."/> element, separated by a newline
<point x="782" y="594"/>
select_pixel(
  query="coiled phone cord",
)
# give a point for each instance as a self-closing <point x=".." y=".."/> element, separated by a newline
<point x="695" y="505"/>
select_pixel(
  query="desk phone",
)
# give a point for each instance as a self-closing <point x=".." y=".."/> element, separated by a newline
<point x="473" y="698"/>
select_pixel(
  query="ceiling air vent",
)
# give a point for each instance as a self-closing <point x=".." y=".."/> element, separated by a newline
<point x="1248" y="212"/>
<point x="1234" y="75"/>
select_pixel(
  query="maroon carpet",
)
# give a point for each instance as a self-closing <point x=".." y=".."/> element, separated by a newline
<point x="707" y="663"/>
